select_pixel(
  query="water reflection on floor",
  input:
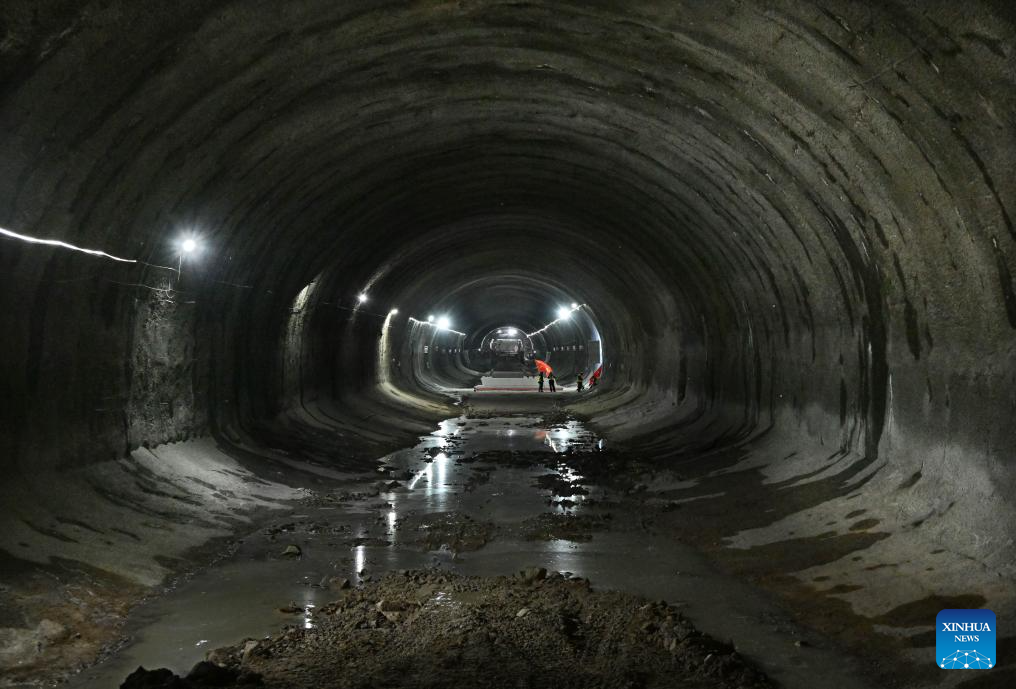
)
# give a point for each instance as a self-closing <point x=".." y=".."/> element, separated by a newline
<point x="240" y="597"/>
<point x="438" y="485"/>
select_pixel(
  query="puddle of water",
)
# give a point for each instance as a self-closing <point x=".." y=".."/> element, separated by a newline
<point x="240" y="598"/>
<point x="657" y="568"/>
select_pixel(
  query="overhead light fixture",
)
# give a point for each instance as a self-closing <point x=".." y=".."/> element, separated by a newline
<point x="394" y="311"/>
<point x="430" y="319"/>
<point x="188" y="246"/>
<point x="574" y="305"/>
<point x="444" y="323"/>
<point x="564" y="313"/>
<point x="361" y="297"/>
<point x="512" y="332"/>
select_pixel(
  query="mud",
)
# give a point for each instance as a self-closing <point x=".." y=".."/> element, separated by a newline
<point x="481" y="505"/>
<point x="426" y="629"/>
<point x="448" y="531"/>
<point x="79" y="610"/>
<point x="565" y="527"/>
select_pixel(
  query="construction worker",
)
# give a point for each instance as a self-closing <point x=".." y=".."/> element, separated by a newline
<point x="539" y="382"/>
<point x="553" y="381"/>
<point x="578" y="383"/>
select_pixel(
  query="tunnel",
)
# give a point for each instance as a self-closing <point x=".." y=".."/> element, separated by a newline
<point x="255" y="260"/>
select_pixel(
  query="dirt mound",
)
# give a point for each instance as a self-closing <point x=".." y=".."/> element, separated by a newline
<point x="427" y="629"/>
<point x="447" y="530"/>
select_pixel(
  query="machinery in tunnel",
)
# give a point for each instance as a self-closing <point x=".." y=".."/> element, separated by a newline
<point x="506" y="348"/>
<point x="257" y="258"/>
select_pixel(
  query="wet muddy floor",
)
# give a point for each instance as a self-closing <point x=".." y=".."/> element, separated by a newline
<point x="485" y="494"/>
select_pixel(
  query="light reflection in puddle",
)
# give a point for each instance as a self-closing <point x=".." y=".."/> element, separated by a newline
<point x="359" y="559"/>
<point x="568" y="474"/>
<point x="446" y="482"/>
<point x="438" y="485"/>
<point x="493" y="433"/>
<point x="447" y="428"/>
<point x="248" y="590"/>
<point x="416" y="479"/>
<point x="251" y="591"/>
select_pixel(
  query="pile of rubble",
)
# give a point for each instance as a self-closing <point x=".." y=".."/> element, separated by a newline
<point x="433" y="629"/>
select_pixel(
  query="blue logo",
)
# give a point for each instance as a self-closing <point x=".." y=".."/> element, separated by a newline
<point x="965" y="639"/>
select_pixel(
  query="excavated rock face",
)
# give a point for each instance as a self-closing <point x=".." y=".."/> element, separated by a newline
<point x="790" y="223"/>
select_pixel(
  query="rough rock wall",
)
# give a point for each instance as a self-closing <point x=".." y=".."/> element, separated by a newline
<point x="167" y="401"/>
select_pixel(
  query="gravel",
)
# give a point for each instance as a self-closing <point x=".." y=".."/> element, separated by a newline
<point x="430" y="629"/>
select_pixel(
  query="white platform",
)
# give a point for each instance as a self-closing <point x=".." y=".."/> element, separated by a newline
<point x="503" y="382"/>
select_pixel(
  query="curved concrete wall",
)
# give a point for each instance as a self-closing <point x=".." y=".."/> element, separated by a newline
<point x="793" y="224"/>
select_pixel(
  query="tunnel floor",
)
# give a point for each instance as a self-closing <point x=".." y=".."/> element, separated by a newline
<point x="486" y="494"/>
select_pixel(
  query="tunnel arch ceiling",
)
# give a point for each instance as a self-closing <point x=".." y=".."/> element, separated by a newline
<point x="815" y="201"/>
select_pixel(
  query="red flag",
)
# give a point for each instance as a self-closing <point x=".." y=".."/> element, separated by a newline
<point x="543" y="367"/>
<point x="597" y="373"/>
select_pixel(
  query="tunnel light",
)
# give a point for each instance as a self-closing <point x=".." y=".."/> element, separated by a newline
<point x="394" y="311"/>
<point x="188" y="246"/>
<point x="563" y="314"/>
<point x="511" y="332"/>
<point x="430" y="319"/>
<point x="444" y="323"/>
<point x="361" y="297"/>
